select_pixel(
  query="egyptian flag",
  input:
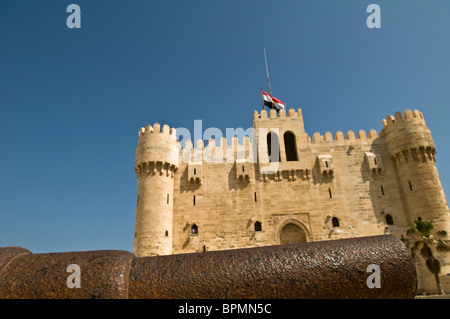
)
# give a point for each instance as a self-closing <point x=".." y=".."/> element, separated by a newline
<point x="271" y="101"/>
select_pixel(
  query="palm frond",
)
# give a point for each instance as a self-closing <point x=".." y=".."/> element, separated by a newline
<point x="443" y="245"/>
<point x="425" y="228"/>
<point x="441" y="233"/>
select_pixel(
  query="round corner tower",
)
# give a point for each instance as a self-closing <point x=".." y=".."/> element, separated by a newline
<point x="412" y="149"/>
<point x="155" y="164"/>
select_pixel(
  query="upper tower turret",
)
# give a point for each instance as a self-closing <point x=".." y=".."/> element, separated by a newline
<point x="409" y="137"/>
<point x="280" y="136"/>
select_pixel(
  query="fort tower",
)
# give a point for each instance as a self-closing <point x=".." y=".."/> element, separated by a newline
<point x="155" y="165"/>
<point x="412" y="150"/>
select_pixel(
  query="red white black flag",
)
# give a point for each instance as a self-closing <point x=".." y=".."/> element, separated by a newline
<point x="272" y="102"/>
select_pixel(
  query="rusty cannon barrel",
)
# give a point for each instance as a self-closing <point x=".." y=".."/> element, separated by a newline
<point x="366" y="267"/>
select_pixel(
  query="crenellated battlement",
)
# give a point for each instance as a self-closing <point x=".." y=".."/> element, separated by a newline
<point x="156" y="129"/>
<point x="273" y="114"/>
<point x="391" y="122"/>
<point x="157" y="150"/>
<point x="408" y="138"/>
<point x="339" y="136"/>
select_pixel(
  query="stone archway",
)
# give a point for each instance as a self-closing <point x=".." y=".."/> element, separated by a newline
<point x="292" y="233"/>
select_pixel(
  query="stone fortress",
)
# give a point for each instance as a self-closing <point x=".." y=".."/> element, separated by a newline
<point x="284" y="187"/>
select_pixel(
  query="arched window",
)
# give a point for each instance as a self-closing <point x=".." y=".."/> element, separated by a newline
<point x="273" y="137"/>
<point x="166" y="233"/>
<point x="194" y="229"/>
<point x="258" y="226"/>
<point x="335" y="222"/>
<point x="290" y="146"/>
<point x="389" y="220"/>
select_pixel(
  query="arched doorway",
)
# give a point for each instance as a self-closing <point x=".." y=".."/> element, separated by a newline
<point x="292" y="233"/>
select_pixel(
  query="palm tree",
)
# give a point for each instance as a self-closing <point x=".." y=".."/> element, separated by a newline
<point x="425" y="238"/>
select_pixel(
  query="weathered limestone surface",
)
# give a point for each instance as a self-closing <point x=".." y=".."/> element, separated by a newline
<point x="219" y="196"/>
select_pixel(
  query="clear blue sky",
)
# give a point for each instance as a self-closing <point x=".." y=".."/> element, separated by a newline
<point x="72" y="100"/>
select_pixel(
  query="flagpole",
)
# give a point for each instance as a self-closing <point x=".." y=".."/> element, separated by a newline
<point x="262" y="96"/>
<point x="267" y="71"/>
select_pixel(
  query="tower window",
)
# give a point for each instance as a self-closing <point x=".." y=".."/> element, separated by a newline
<point x="194" y="200"/>
<point x="335" y="222"/>
<point x="291" y="146"/>
<point x="166" y="233"/>
<point x="195" y="171"/>
<point x="256" y="199"/>
<point x="389" y="220"/>
<point x="410" y="186"/>
<point x="194" y="229"/>
<point x="243" y="169"/>
<point x="167" y="198"/>
<point x="329" y="192"/>
<point x="382" y="190"/>
<point x="204" y="248"/>
<point x="276" y="147"/>
<point x="258" y="226"/>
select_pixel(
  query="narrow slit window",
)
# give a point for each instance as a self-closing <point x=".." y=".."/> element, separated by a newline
<point x="389" y="220"/>
<point x="167" y="198"/>
<point x="335" y="222"/>
<point x="410" y="186"/>
<point x="166" y="233"/>
<point x="382" y="190"/>
<point x="204" y="248"/>
<point x="194" y="200"/>
<point x="326" y="163"/>
<point x="256" y="199"/>
<point x="195" y="171"/>
<point x="329" y="192"/>
<point x="243" y="169"/>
